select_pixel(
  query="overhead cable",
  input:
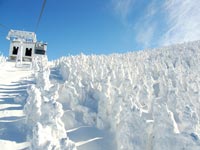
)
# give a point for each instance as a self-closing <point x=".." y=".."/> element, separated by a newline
<point x="41" y="12"/>
<point x="3" y="26"/>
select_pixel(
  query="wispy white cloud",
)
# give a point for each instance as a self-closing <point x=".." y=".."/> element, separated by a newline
<point x="145" y="35"/>
<point x="123" y="7"/>
<point x="142" y="27"/>
<point x="183" y="20"/>
<point x="147" y="26"/>
<point x="161" y="22"/>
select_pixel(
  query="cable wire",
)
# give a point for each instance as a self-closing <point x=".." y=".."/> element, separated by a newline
<point x="3" y="26"/>
<point x="41" y="12"/>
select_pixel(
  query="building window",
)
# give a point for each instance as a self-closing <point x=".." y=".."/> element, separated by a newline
<point x="39" y="52"/>
<point x="28" y="52"/>
<point x="15" y="50"/>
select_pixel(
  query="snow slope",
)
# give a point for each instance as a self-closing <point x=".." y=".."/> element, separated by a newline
<point x="147" y="100"/>
<point x="13" y="84"/>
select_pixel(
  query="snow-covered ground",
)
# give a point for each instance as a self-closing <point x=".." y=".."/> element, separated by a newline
<point x="146" y="100"/>
<point x="13" y="85"/>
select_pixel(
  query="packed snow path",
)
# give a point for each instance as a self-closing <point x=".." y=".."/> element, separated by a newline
<point x="13" y="84"/>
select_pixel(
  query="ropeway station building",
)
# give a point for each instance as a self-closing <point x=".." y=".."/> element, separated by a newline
<point x="26" y="44"/>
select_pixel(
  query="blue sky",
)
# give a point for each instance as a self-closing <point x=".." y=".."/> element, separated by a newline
<point x="102" y="26"/>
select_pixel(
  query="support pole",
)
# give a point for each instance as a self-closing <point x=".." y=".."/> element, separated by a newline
<point x="19" y="55"/>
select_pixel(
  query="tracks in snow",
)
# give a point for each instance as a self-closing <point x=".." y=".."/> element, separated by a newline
<point x="13" y="85"/>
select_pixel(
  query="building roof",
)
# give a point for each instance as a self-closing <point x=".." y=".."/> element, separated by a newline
<point x="21" y="35"/>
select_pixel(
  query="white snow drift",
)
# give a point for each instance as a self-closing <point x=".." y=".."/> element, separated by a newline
<point x="146" y="100"/>
<point x="43" y="113"/>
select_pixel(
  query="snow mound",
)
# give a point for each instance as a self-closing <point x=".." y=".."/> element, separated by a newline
<point x="43" y="113"/>
<point x="143" y="100"/>
<point x="147" y="99"/>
